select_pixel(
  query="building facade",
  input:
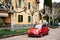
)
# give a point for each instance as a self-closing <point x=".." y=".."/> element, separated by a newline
<point x="24" y="11"/>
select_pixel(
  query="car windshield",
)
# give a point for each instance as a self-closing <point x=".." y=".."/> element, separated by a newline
<point x="38" y="26"/>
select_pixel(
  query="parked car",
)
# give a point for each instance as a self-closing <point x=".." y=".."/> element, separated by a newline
<point x="38" y="31"/>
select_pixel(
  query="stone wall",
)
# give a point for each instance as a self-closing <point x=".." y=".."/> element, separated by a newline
<point x="18" y="26"/>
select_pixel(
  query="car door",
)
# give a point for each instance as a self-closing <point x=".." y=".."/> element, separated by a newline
<point x="43" y="29"/>
<point x="46" y="29"/>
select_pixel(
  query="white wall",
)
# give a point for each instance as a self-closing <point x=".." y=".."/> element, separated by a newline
<point x="41" y="4"/>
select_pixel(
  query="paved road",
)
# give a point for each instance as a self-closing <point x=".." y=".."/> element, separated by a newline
<point x="54" y="34"/>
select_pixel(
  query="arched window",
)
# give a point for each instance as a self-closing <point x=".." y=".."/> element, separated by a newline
<point x="28" y="5"/>
<point x="19" y="3"/>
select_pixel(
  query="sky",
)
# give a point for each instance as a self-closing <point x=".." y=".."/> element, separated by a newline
<point x="41" y="3"/>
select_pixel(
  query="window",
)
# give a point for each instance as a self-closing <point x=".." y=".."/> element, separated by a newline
<point x="20" y="18"/>
<point x="19" y="3"/>
<point x="29" y="5"/>
<point x="16" y="4"/>
<point x="29" y="18"/>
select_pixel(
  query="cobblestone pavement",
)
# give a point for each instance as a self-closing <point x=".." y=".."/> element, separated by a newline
<point x="54" y="34"/>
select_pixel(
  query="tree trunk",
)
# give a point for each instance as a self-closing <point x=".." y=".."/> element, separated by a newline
<point x="31" y="21"/>
<point x="53" y="21"/>
<point x="49" y="20"/>
<point x="12" y="22"/>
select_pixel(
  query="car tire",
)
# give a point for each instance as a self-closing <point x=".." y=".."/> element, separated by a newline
<point x="47" y="33"/>
<point x="29" y="36"/>
<point x="41" y="34"/>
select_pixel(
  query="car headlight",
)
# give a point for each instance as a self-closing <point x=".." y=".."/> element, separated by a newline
<point x="35" y="32"/>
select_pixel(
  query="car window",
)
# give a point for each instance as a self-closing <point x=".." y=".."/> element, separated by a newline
<point x="38" y="26"/>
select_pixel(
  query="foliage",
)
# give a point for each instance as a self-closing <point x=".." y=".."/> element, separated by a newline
<point x="59" y="10"/>
<point x="1" y="22"/>
<point x="58" y="18"/>
<point x="4" y="32"/>
<point x="48" y="2"/>
<point x="21" y="30"/>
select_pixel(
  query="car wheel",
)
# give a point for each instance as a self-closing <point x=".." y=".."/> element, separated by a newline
<point x="29" y="36"/>
<point x="41" y="34"/>
<point x="47" y="33"/>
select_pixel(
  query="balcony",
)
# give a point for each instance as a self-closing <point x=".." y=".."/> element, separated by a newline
<point x="4" y="15"/>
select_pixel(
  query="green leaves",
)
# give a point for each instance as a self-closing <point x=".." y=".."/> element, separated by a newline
<point x="1" y="21"/>
<point x="48" y="2"/>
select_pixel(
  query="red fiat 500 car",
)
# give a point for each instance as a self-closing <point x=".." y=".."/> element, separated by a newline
<point x="39" y="30"/>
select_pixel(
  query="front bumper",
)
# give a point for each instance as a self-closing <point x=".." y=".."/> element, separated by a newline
<point x="32" y="34"/>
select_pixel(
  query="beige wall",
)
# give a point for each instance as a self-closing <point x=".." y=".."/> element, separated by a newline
<point x="25" y="14"/>
<point x="25" y="18"/>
